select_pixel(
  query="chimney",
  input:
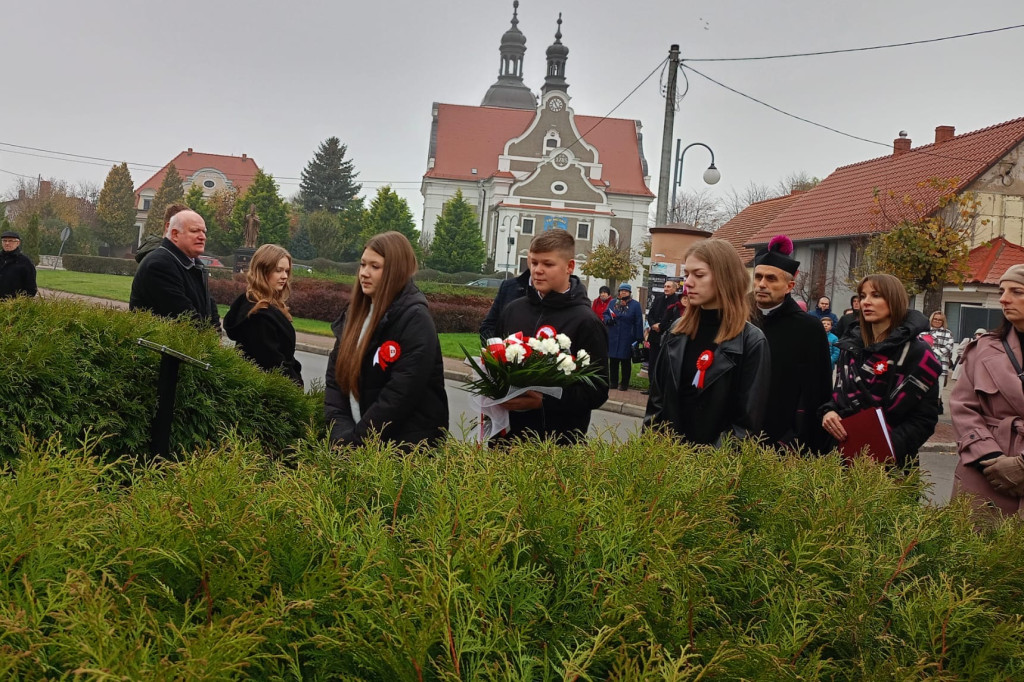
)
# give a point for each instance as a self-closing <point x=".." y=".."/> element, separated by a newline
<point x="901" y="145"/>
<point x="244" y="156"/>
<point x="190" y="151"/>
<point x="944" y="134"/>
<point x="45" y="186"/>
<point x="21" y="195"/>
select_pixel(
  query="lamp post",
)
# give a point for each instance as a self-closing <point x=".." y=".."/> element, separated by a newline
<point x="510" y="241"/>
<point x="711" y="176"/>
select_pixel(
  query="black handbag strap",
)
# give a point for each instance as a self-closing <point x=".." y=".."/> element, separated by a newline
<point x="1013" y="361"/>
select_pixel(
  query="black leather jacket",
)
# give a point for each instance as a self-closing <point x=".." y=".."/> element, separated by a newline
<point x="735" y="389"/>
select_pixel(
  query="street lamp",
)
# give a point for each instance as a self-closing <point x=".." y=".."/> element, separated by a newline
<point x="511" y="240"/>
<point x="711" y="176"/>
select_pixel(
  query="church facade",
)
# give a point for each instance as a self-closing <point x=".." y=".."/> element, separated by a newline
<point x="529" y="163"/>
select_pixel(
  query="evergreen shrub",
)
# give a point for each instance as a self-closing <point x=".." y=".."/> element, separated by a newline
<point x="74" y="369"/>
<point x="640" y="560"/>
<point x="99" y="264"/>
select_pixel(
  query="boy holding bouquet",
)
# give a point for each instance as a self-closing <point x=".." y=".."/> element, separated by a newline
<point x="556" y="302"/>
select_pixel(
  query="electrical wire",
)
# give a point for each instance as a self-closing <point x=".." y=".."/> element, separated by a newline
<point x="854" y="49"/>
<point x="822" y="125"/>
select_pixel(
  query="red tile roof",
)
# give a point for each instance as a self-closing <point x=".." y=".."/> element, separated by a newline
<point x="474" y="137"/>
<point x="751" y="220"/>
<point x="842" y="205"/>
<point x="240" y="170"/>
<point x="988" y="262"/>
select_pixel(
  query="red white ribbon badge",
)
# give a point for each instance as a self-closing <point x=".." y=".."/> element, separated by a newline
<point x="546" y="332"/>
<point x="704" y="361"/>
<point x="388" y="352"/>
<point x="880" y="367"/>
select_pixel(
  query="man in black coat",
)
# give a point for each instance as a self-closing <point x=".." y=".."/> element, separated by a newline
<point x="510" y="290"/>
<point x="665" y="310"/>
<point x="17" y="273"/>
<point x="171" y="281"/>
<point x="849" y="319"/>
<point x="557" y="301"/>
<point x="801" y="372"/>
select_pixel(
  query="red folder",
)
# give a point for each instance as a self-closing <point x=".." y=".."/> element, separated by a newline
<point x="867" y="429"/>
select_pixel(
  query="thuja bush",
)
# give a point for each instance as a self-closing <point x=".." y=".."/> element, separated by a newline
<point x="642" y="560"/>
<point x="73" y="369"/>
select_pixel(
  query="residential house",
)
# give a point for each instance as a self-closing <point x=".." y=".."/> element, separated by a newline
<point x="212" y="172"/>
<point x="977" y="303"/>
<point x="832" y="222"/>
<point x="530" y="164"/>
<point x="742" y="227"/>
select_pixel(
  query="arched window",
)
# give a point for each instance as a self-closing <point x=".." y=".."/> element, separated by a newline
<point x="613" y="237"/>
<point x="552" y="141"/>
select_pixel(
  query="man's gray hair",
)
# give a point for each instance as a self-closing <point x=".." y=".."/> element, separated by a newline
<point x="174" y="224"/>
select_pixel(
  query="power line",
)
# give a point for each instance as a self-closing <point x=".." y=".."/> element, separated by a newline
<point x="854" y="49"/>
<point x="822" y="125"/>
<point x="17" y="175"/>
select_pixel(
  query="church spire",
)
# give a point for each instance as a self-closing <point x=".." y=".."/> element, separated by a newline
<point x="557" y="55"/>
<point x="509" y="90"/>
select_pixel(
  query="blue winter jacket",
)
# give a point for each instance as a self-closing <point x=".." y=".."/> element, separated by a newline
<point x="625" y="320"/>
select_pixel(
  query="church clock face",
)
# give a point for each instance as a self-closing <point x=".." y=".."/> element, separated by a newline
<point x="556" y="104"/>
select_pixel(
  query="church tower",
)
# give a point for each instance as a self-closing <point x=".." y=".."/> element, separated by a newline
<point x="509" y="91"/>
<point x="557" y="55"/>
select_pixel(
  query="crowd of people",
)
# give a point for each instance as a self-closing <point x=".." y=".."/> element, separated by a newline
<point x="730" y="356"/>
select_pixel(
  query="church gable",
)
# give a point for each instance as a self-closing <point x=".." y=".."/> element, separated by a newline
<point x="568" y="184"/>
<point x="553" y="129"/>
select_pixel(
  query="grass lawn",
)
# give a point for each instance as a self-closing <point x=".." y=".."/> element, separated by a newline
<point x="115" y="287"/>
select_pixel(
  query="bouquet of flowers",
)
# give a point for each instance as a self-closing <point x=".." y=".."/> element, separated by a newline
<point x="509" y="367"/>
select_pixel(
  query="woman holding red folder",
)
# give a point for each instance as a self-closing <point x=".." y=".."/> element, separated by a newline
<point x="882" y="364"/>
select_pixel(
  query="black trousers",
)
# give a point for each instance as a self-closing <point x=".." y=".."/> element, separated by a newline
<point x="615" y="366"/>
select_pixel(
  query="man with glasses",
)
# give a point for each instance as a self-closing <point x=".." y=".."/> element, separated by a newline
<point x="17" y="273"/>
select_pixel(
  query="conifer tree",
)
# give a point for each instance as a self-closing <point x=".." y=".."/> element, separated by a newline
<point x="270" y="207"/>
<point x="300" y="246"/>
<point x="457" y="245"/>
<point x="328" y="181"/>
<point x="115" y="208"/>
<point x="170" y="191"/>
<point x="388" y="211"/>
<point x="30" y="245"/>
<point x="350" y="224"/>
<point x="323" y="233"/>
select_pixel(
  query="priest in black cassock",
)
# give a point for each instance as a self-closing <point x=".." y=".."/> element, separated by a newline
<point x="801" y="376"/>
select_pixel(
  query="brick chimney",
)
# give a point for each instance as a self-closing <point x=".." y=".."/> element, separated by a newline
<point x="944" y="134"/>
<point x="244" y="156"/>
<point x="190" y="151"/>
<point x="21" y="195"/>
<point x="901" y="145"/>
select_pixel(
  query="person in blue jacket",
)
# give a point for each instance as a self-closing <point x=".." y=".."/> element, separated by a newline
<point x="833" y="349"/>
<point x="625" y="320"/>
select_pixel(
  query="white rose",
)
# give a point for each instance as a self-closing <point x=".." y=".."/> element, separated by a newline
<point x="549" y="347"/>
<point x="563" y="341"/>
<point x="515" y="353"/>
<point x="583" y="357"/>
<point x="565" y="363"/>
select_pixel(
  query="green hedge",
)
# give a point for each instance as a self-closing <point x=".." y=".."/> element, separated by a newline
<point x="644" y="560"/>
<point x="74" y="369"/>
<point x="100" y="264"/>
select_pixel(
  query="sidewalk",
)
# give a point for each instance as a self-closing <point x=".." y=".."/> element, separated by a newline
<point x="631" y="403"/>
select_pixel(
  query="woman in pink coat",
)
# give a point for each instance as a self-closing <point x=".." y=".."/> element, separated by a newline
<point x="988" y="408"/>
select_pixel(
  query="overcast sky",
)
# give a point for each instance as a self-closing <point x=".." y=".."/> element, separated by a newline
<point x="142" y="81"/>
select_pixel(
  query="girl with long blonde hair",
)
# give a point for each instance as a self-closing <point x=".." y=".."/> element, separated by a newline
<point x="259" y="321"/>
<point x="711" y="376"/>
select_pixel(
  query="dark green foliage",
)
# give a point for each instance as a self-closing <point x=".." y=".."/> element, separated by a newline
<point x="300" y="247"/>
<point x="30" y="240"/>
<point x="457" y="245"/>
<point x="115" y="209"/>
<point x="644" y="560"/>
<point x="270" y="207"/>
<point x="351" y="222"/>
<point x="328" y="180"/>
<point x="171" y="190"/>
<point x="388" y="211"/>
<point x="100" y="264"/>
<point x="72" y="369"/>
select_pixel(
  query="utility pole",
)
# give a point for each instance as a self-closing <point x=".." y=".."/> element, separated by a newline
<point x="661" y="213"/>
